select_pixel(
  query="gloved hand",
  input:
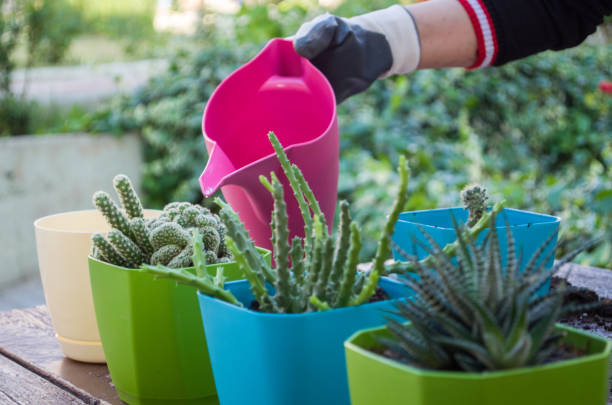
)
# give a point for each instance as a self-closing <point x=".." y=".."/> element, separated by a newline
<point x="352" y="53"/>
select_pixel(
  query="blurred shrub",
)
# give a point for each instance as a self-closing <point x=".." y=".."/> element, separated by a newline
<point x="122" y="19"/>
<point x="11" y="26"/>
<point x="536" y="132"/>
<point x="50" y="27"/>
<point x="168" y="114"/>
<point x="15" y="117"/>
<point x="47" y="28"/>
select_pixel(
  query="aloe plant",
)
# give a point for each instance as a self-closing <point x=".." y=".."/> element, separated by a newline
<point x="478" y="314"/>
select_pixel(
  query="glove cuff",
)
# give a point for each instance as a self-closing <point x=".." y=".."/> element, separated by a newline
<point x="399" y="28"/>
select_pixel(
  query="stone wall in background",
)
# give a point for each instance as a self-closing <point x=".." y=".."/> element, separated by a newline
<point x="44" y="175"/>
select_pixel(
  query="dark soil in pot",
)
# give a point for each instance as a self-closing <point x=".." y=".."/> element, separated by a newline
<point x="597" y="320"/>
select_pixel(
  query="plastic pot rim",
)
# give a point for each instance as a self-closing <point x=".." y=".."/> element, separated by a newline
<point x="263" y="251"/>
<point x="603" y="354"/>
<point x="553" y="219"/>
<point x="300" y="315"/>
<point x="38" y="221"/>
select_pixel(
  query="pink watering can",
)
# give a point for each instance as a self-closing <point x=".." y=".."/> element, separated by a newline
<point x="277" y="91"/>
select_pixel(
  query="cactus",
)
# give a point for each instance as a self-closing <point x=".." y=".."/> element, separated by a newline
<point x="183" y="258"/>
<point x="142" y="236"/>
<point x="169" y="233"/>
<point x="126" y="248"/>
<point x="313" y="273"/>
<point x="165" y="240"/>
<point x="127" y="196"/>
<point x="474" y="198"/>
<point x="106" y="251"/>
<point x="115" y="218"/>
<point x="165" y="254"/>
<point x="201" y="280"/>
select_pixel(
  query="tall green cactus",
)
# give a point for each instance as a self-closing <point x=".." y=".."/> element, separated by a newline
<point x="165" y="240"/>
<point x="313" y="273"/>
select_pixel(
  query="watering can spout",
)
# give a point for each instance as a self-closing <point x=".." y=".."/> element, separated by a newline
<point x="218" y="172"/>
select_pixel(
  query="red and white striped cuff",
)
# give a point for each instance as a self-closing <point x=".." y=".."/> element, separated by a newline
<point x="485" y="32"/>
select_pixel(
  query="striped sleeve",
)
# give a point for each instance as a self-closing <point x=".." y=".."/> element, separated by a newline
<point x="488" y="45"/>
<point x="508" y="30"/>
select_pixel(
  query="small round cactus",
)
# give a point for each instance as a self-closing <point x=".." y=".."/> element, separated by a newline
<point x="165" y="254"/>
<point x="169" y="233"/>
<point x="182" y="259"/>
<point x="211" y="238"/>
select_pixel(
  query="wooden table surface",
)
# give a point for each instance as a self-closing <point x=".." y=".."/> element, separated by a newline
<point x="33" y="369"/>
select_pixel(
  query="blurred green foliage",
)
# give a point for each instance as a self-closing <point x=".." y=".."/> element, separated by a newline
<point x="40" y="32"/>
<point x="46" y="27"/>
<point x="124" y="19"/>
<point x="50" y="26"/>
<point x="536" y="132"/>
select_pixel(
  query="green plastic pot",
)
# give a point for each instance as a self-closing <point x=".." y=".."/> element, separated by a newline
<point x="374" y="379"/>
<point x="152" y="335"/>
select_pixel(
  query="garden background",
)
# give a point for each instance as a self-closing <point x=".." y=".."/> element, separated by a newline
<point x="536" y="132"/>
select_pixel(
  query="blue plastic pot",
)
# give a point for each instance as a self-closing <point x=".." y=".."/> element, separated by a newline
<point x="530" y="230"/>
<point x="284" y="359"/>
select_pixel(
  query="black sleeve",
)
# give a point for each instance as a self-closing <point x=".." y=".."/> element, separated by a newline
<point x="525" y="27"/>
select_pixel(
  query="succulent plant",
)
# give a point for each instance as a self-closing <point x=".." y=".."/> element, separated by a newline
<point x="165" y="240"/>
<point x="475" y="314"/>
<point x="316" y="272"/>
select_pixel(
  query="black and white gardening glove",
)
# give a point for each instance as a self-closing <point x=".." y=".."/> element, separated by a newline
<point x="352" y="53"/>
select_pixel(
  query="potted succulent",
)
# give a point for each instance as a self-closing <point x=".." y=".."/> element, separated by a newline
<point x="151" y="330"/>
<point x="479" y="334"/>
<point x="528" y="229"/>
<point x="278" y="334"/>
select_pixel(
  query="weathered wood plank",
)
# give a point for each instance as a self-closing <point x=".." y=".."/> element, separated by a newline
<point x="21" y="386"/>
<point x="591" y="278"/>
<point x="27" y="337"/>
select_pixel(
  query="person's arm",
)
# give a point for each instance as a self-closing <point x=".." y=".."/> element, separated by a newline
<point x="447" y="36"/>
<point x="354" y="52"/>
<point x="510" y="30"/>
